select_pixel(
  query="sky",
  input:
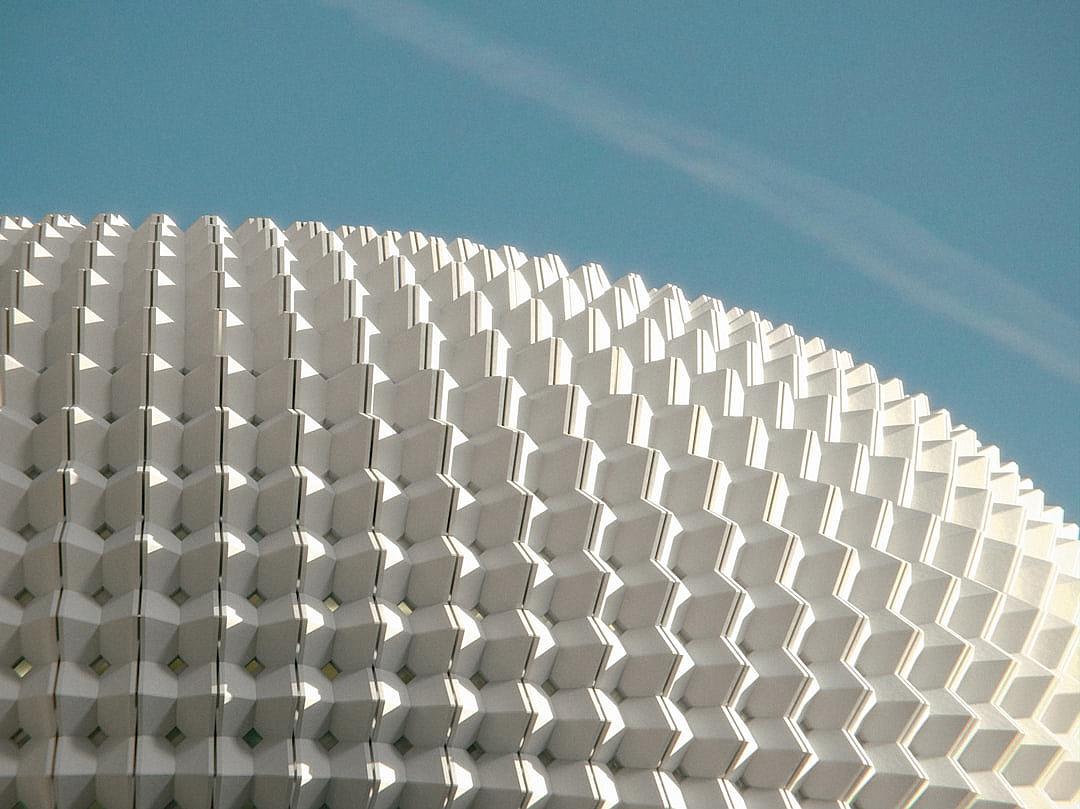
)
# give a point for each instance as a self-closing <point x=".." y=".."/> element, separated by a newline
<point x="901" y="180"/>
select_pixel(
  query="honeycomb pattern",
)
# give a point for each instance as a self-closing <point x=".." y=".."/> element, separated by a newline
<point x="332" y="518"/>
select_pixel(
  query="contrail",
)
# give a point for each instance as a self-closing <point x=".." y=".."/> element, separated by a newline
<point x="864" y="233"/>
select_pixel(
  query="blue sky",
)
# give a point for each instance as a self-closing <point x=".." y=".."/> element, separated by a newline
<point x="864" y="174"/>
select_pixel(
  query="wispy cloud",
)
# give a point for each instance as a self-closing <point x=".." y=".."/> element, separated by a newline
<point x="869" y="236"/>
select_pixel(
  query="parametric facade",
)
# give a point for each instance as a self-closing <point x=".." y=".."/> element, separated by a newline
<point x="303" y="518"/>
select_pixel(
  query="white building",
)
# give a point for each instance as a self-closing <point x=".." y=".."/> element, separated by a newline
<point x="305" y="518"/>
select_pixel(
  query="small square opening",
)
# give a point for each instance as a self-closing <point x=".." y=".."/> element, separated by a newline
<point x="99" y="665"/>
<point x="252" y="738"/>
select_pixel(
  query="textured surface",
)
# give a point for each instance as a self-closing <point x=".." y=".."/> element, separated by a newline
<point x="298" y="517"/>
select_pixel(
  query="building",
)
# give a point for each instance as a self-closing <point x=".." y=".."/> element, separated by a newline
<point x="303" y="518"/>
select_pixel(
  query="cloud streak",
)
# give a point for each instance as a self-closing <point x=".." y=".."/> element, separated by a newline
<point x="867" y="235"/>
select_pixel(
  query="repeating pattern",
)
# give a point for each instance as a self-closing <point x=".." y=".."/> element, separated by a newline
<point x="332" y="518"/>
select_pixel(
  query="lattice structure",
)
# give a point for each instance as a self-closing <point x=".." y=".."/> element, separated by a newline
<point x="305" y="518"/>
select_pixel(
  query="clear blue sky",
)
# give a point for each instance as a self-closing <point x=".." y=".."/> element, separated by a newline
<point x="963" y="117"/>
